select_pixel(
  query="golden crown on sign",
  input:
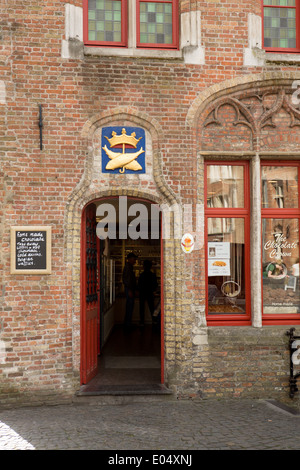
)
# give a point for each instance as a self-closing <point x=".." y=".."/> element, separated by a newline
<point x="123" y="139"/>
<point x="123" y="160"/>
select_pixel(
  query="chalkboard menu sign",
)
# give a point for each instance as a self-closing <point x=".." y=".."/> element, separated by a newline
<point x="31" y="250"/>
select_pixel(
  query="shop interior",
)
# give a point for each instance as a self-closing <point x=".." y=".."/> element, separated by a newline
<point x="127" y="358"/>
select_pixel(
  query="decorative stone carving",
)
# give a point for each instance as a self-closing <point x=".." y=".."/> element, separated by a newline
<point x="254" y="120"/>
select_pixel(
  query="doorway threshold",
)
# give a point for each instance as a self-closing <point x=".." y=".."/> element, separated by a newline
<point x="123" y="390"/>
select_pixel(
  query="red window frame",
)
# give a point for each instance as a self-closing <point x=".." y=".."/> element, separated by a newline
<point x="124" y="28"/>
<point x="281" y="213"/>
<point x="175" y="35"/>
<point x="283" y="49"/>
<point x="230" y="319"/>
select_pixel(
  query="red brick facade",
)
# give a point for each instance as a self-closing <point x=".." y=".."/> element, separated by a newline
<point x="222" y="108"/>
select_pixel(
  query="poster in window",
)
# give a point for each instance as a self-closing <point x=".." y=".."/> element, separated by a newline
<point x="218" y="259"/>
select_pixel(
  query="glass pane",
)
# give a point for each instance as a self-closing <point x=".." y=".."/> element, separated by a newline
<point x="281" y="3"/>
<point x="280" y="267"/>
<point x="225" y="186"/>
<point x="156" y="23"/>
<point x="107" y="24"/>
<point x="279" y="187"/>
<point x="226" y="268"/>
<point x="280" y="25"/>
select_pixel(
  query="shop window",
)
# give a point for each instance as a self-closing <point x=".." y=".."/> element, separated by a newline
<point x="280" y="242"/>
<point x="225" y="186"/>
<point x="227" y="243"/>
<point x="107" y="23"/>
<point x="281" y="25"/>
<point x="279" y="187"/>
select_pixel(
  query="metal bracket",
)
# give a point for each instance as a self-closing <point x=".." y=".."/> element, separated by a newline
<point x="41" y="126"/>
<point x="294" y="341"/>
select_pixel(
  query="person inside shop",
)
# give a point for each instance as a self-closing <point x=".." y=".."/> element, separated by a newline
<point x="273" y="270"/>
<point x="129" y="281"/>
<point x="147" y="285"/>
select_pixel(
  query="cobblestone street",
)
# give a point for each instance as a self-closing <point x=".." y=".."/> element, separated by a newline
<point x="153" y="426"/>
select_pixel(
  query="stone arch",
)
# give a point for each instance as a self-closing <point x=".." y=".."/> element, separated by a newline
<point x="85" y="191"/>
<point x="235" y="93"/>
<point x="227" y="120"/>
<point x="231" y="86"/>
<point x="138" y="118"/>
<point x="88" y="191"/>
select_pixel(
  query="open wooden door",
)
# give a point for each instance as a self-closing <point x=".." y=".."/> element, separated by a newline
<point x="89" y="295"/>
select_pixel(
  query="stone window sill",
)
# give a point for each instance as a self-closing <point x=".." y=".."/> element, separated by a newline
<point x="259" y="57"/>
<point x="279" y="57"/>
<point x="132" y="52"/>
<point x="75" y="49"/>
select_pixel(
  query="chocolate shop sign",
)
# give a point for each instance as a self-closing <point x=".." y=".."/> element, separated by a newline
<point x="277" y="248"/>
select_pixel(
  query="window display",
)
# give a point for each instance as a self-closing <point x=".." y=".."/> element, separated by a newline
<point x="227" y="242"/>
<point x="280" y="254"/>
<point x="280" y="241"/>
<point x="225" y="266"/>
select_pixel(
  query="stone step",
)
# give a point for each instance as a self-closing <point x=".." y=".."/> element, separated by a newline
<point x="121" y="394"/>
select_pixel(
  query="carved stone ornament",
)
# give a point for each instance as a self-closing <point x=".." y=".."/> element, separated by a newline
<point x="266" y="113"/>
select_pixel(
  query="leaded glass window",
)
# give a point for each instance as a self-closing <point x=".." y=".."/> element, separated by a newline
<point x="110" y="23"/>
<point x="280" y="24"/>
<point x="156" y="23"/>
<point x="104" y="20"/>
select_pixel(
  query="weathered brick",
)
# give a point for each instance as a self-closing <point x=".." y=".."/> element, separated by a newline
<point x="174" y="102"/>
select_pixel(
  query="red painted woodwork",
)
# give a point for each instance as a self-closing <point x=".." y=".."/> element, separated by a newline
<point x="281" y="49"/>
<point x="281" y="213"/>
<point x="231" y="319"/>
<point x="175" y="30"/>
<point x="89" y="295"/>
<point x="124" y="27"/>
<point x="162" y="338"/>
<point x="124" y="31"/>
<point x="90" y="298"/>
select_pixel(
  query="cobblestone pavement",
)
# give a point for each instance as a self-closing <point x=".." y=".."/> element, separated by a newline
<point x="163" y="425"/>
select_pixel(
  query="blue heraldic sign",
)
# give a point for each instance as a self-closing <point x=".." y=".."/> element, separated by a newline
<point x="123" y="150"/>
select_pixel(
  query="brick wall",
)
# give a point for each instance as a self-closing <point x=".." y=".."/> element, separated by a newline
<point x="40" y="315"/>
<point x="242" y="362"/>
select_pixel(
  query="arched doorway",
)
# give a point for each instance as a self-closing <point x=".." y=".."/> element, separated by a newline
<point x="114" y="357"/>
